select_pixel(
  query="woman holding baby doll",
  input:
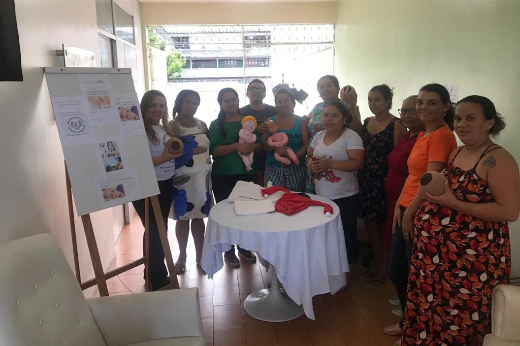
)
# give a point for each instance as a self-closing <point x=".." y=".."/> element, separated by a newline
<point x="329" y="90"/>
<point x="155" y="116"/>
<point x="461" y="238"/>
<point x="334" y="157"/>
<point x="192" y="192"/>
<point x="285" y="159"/>
<point x="228" y="166"/>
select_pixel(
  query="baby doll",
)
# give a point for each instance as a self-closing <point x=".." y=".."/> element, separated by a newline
<point x="279" y="140"/>
<point x="174" y="144"/>
<point x="433" y="183"/>
<point x="246" y="135"/>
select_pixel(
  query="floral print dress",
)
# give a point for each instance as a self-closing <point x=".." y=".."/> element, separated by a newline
<point x="373" y="175"/>
<point x="457" y="260"/>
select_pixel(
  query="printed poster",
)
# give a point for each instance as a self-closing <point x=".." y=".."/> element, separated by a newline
<point x="72" y="120"/>
<point x="112" y="155"/>
<point x="117" y="189"/>
<point x="130" y="118"/>
<point x="100" y="103"/>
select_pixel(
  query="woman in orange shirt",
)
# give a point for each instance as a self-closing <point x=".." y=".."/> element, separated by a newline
<point x="430" y="153"/>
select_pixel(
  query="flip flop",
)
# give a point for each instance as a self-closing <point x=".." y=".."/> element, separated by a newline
<point x="367" y="276"/>
<point x="375" y="284"/>
<point x="180" y="268"/>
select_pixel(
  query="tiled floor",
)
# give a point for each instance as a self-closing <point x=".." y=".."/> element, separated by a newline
<point x="353" y="316"/>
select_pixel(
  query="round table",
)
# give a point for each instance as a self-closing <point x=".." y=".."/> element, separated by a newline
<point x="307" y="249"/>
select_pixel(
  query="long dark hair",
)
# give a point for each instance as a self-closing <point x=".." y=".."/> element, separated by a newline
<point x="289" y="93"/>
<point x="221" y="119"/>
<point x="146" y="104"/>
<point x="489" y="110"/>
<point x="444" y="94"/>
<point x="332" y="78"/>
<point x="179" y="100"/>
<point x="342" y="109"/>
<point x="386" y="91"/>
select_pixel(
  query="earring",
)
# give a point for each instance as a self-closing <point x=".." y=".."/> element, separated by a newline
<point x="444" y="113"/>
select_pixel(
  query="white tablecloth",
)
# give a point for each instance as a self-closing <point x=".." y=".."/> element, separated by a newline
<point x="307" y="249"/>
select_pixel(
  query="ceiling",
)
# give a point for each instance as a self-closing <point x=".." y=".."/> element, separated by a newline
<point x="233" y="1"/>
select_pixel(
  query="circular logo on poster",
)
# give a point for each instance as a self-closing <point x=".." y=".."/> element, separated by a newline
<point x="76" y="124"/>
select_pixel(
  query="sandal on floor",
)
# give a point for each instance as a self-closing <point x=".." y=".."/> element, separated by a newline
<point x="375" y="283"/>
<point x="180" y="268"/>
<point x="393" y="330"/>
<point x="367" y="276"/>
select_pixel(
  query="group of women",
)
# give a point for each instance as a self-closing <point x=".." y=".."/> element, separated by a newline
<point x="444" y="254"/>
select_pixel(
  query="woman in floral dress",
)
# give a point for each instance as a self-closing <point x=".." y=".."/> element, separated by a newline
<point x="461" y="238"/>
<point x="380" y="134"/>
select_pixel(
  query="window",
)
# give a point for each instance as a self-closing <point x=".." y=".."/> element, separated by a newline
<point x="124" y="24"/>
<point x="257" y="38"/>
<point x="104" y="15"/>
<point x="105" y="51"/>
<point x="204" y="63"/>
<point x="181" y="42"/>
<point x="230" y="63"/>
<point x="257" y="62"/>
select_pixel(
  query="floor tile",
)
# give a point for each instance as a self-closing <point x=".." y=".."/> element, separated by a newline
<point x="229" y="337"/>
<point x="227" y="317"/>
<point x="353" y="316"/>
<point x="207" y="326"/>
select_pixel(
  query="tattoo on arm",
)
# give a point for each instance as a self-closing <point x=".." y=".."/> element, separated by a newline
<point x="490" y="161"/>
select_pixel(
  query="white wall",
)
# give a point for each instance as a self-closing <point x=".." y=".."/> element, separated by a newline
<point x="409" y="43"/>
<point x="33" y="181"/>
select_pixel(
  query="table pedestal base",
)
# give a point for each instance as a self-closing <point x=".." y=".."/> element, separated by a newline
<point x="271" y="305"/>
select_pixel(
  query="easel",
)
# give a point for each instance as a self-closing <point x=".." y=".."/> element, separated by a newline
<point x="100" y="275"/>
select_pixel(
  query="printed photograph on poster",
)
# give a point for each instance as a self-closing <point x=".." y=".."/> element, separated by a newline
<point x="130" y="119"/>
<point x="113" y="192"/>
<point x="96" y="89"/>
<point x="111" y="156"/>
<point x="73" y="124"/>
<point x="117" y="189"/>
<point x="128" y="114"/>
<point x="99" y="102"/>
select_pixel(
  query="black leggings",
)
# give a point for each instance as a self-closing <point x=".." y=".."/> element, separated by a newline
<point x="399" y="265"/>
<point x="157" y="270"/>
<point x="348" y="208"/>
<point x="224" y="184"/>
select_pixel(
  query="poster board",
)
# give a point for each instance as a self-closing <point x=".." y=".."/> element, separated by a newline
<point x="102" y="136"/>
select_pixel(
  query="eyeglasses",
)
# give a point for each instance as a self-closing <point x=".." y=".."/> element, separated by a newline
<point x="256" y="90"/>
<point x="410" y="111"/>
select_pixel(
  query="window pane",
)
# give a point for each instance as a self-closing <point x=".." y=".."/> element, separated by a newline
<point x="230" y="63"/>
<point x="104" y="15"/>
<point x="105" y="51"/>
<point x="204" y="63"/>
<point x="124" y="24"/>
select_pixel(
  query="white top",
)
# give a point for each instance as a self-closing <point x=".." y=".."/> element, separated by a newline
<point x="166" y="170"/>
<point x="307" y="249"/>
<point x="334" y="183"/>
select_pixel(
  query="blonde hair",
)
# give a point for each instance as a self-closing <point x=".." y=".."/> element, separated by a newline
<point x="249" y="118"/>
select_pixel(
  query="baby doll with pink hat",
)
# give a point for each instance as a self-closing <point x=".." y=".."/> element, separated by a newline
<point x="247" y="135"/>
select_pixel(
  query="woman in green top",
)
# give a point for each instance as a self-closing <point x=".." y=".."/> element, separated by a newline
<point x="291" y="176"/>
<point x="228" y="167"/>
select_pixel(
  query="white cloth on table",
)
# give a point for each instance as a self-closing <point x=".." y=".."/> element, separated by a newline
<point x="245" y="191"/>
<point x="254" y="207"/>
<point x="307" y="249"/>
